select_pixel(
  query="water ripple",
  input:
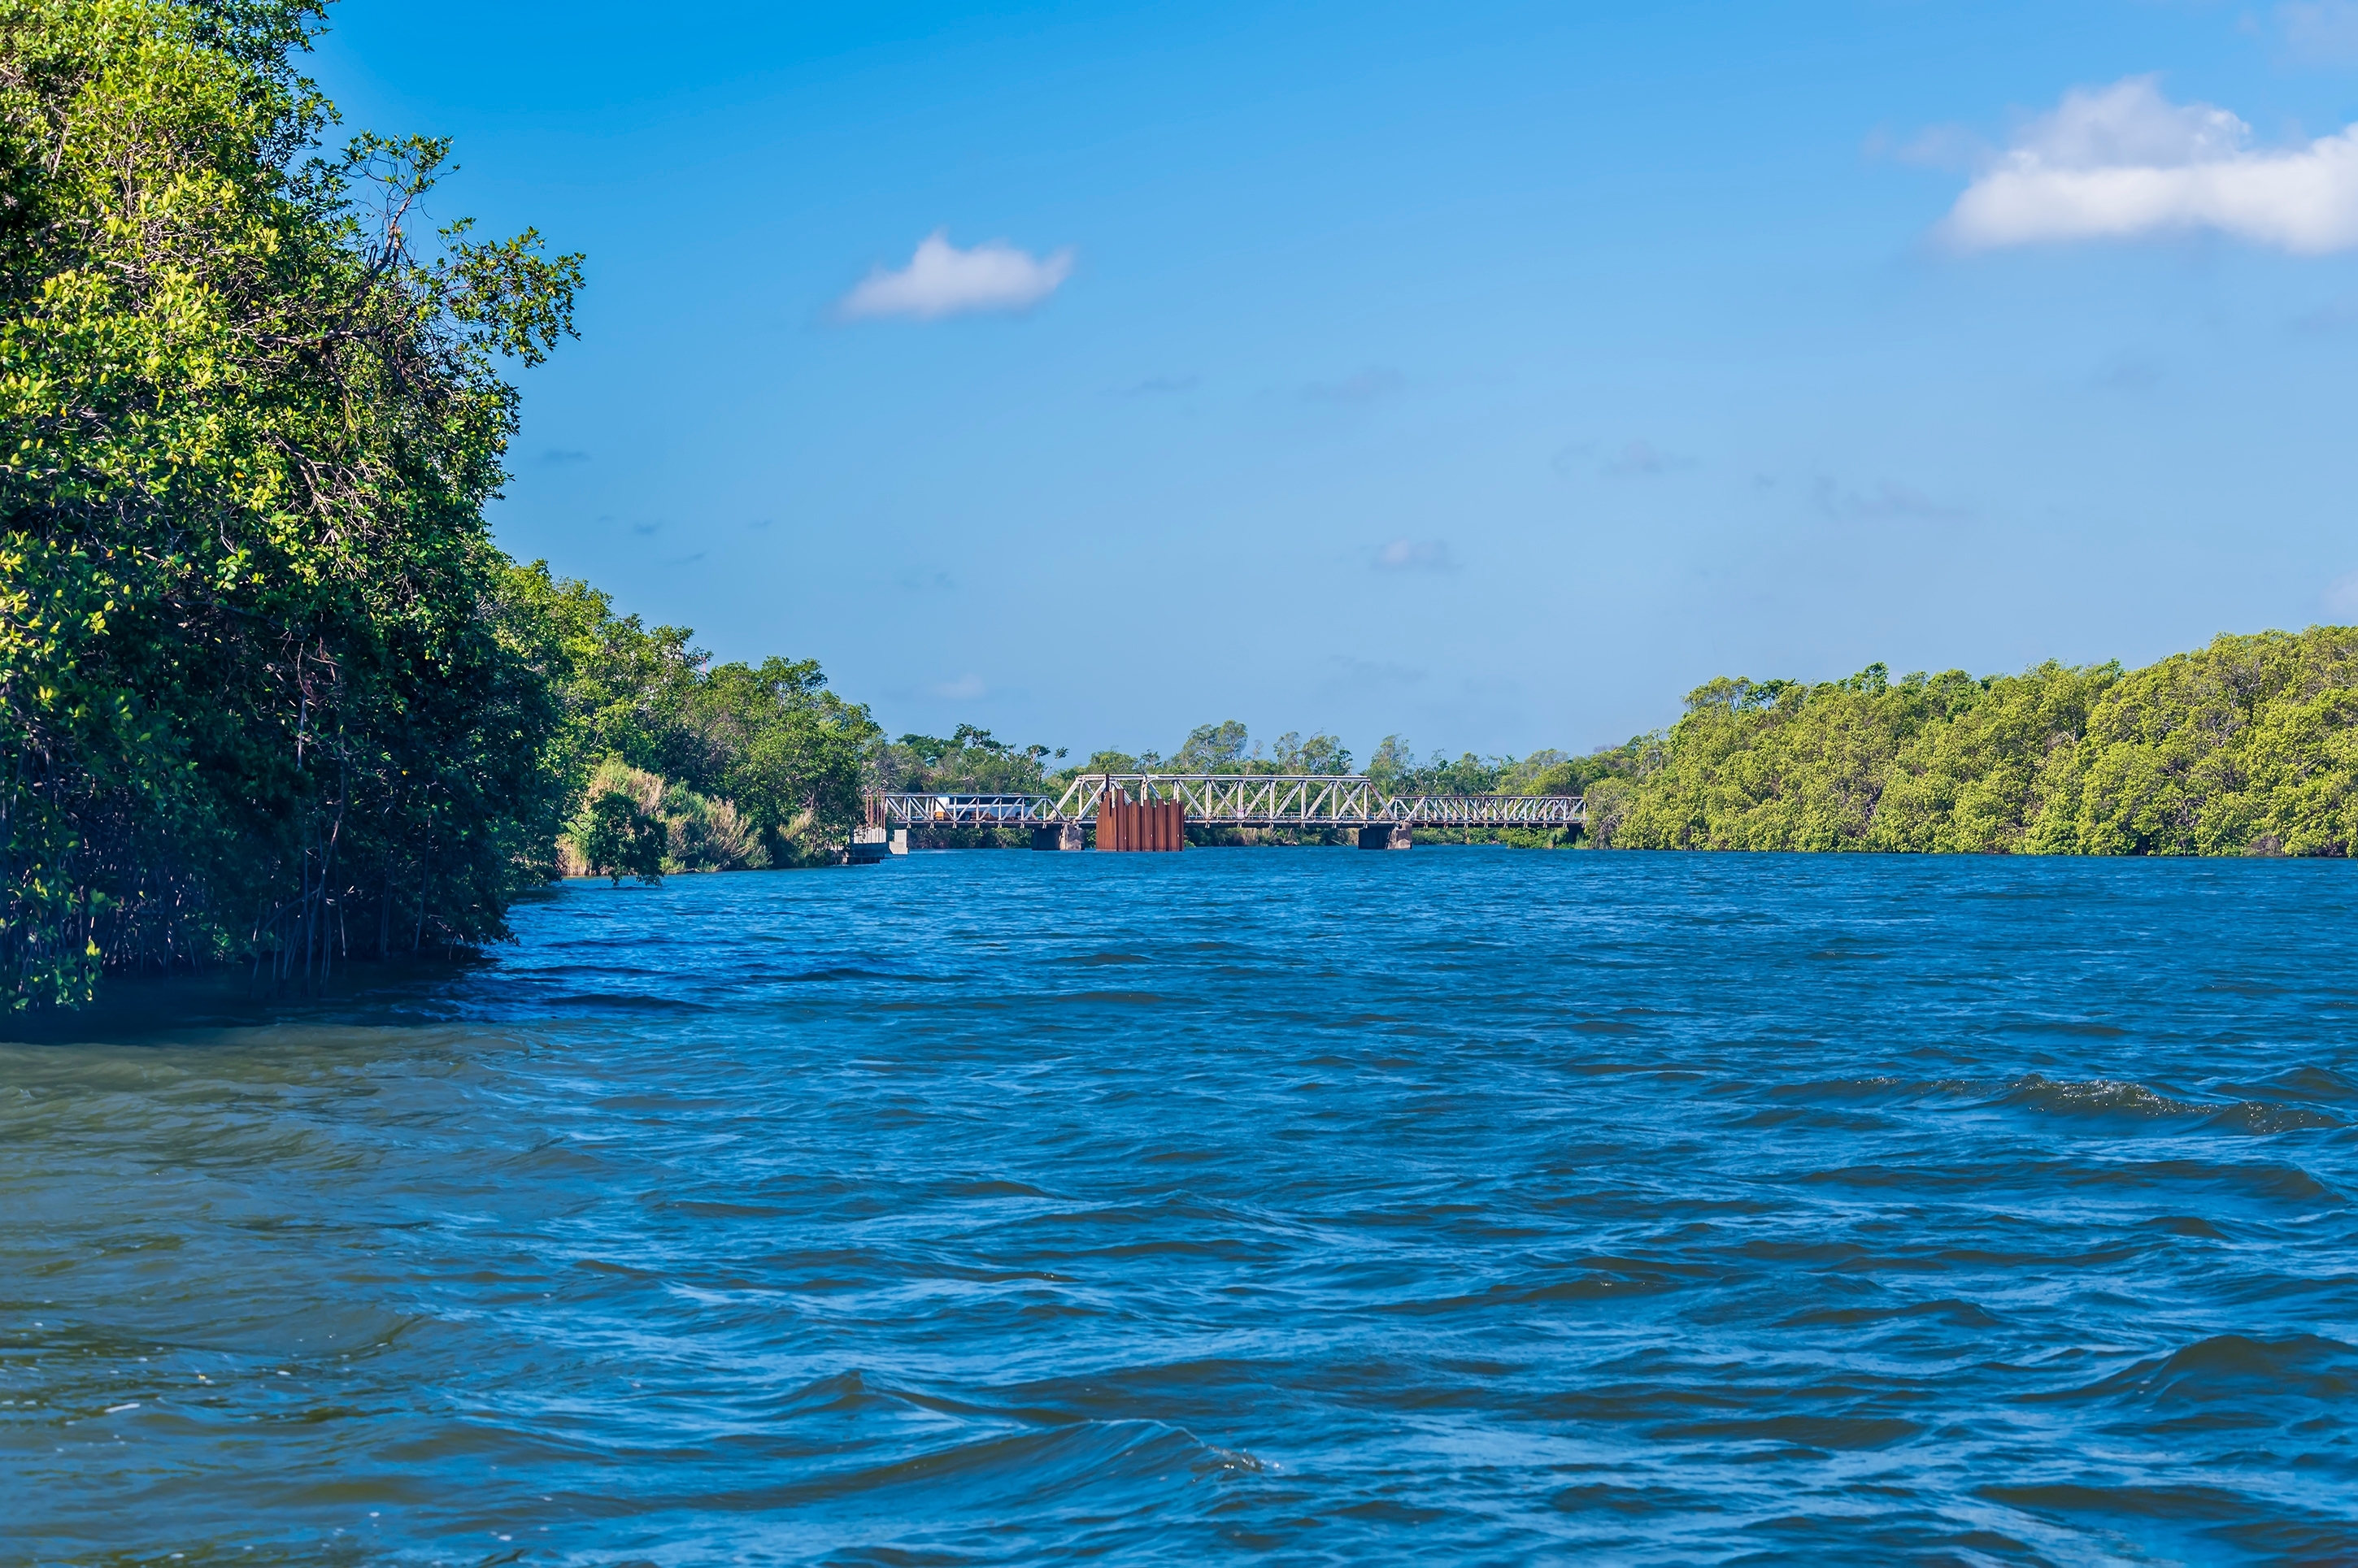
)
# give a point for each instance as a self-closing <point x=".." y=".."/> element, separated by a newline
<point x="1458" y="1206"/>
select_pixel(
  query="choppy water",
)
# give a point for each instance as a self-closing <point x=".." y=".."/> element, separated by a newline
<point x="1459" y="1205"/>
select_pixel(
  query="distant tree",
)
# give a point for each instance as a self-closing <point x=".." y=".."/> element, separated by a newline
<point x="621" y="839"/>
<point x="790" y="754"/>
<point x="1322" y="753"/>
<point x="1210" y="749"/>
<point x="1394" y="760"/>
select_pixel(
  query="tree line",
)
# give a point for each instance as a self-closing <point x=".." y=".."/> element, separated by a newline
<point x="2247" y="746"/>
<point x="271" y="694"/>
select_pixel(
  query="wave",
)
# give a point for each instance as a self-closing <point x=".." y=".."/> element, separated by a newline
<point x="1030" y="1469"/>
<point x="2091" y="1097"/>
<point x="2125" y="1098"/>
<point x="2233" y="1368"/>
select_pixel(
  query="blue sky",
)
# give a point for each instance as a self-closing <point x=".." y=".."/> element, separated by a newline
<point x="1490" y="375"/>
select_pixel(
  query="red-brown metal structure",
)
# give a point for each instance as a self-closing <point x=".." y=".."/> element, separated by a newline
<point x="1126" y="824"/>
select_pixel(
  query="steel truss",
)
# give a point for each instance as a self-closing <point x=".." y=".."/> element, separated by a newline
<point x="1239" y="800"/>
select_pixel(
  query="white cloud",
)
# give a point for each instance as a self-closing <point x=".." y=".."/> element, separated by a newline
<point x="2122" y="162"/>
<point x="1415" y="556"/>
<point x="966" y="688"/>
<point x="943" y="280"/>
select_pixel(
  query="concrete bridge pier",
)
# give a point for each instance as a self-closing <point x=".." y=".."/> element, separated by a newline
<point x="1059" y="836"/>
<point x="1386" y="835"/>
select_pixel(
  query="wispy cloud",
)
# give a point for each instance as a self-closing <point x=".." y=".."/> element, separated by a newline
<point x="2330" y="316"/>
<point x="1571" y="455"/>
<point x="1157" y="385"/>
<point x="1884" y="502"/>
<point x="564" y="455"/>
<point x="644" y="529"/>
<point x="1414" y="556"/>
<point x="965" y="688"/>
<point x="2321" y="29"/>
<point x="2130" y="373"/>
<point x="1935" y="146"/>
<point x="2123" y="162"/>
<point x="943" y="280"/>
<point x="1359" y="386"/>
<point x="1635" y="458"/>
<point x="1642" y="459"/>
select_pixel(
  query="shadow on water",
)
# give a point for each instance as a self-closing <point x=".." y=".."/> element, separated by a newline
<point x="167" y="1009"/>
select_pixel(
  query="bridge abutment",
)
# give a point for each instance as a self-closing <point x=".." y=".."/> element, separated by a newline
<point x="1060" y="836"/>
<point x="1386" y="835"/>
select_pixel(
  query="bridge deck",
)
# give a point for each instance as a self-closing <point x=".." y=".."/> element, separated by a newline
<point x="1239" y="800"/>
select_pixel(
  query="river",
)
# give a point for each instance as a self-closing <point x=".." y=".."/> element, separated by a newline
<point x="1467" y="1206"/>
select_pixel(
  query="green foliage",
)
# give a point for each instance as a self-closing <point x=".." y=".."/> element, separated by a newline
<point x="272" y="694"/>
<point x="970" y="761"/>
<point x="622" y="687"/>
<point x="1211" y="748"/>
<point x="633" y="822"/>
<point x="2250" y="745"/>
<point x="618" y="837"/>
<point x="702" y="834"/>
<point x="788" y="753"/>
<point x="268" y="694"/>
<point x="1394" y="767"/>
<point x="2247" y="746"/>
<point x="760" y="764"/>
<point x="1227" y="748"/>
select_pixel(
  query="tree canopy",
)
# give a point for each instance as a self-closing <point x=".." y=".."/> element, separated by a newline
<point x="272" y="693"/>
<point x="253" y="636"/>
<point x="2249" y="745"/>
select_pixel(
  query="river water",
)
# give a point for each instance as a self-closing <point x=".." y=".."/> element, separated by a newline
<point x="1465" y="1206"/>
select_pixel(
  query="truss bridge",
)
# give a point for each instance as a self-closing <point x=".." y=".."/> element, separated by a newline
<point x="1111" y="802"/>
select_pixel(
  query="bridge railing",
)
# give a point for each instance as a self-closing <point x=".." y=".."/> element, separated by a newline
<point x="1488" y="810"/>
<point x="1239" y="800"/>
<point x="916" y="809"/>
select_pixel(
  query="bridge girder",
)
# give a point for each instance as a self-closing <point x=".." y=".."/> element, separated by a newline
<point x="1239" y="800"/>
